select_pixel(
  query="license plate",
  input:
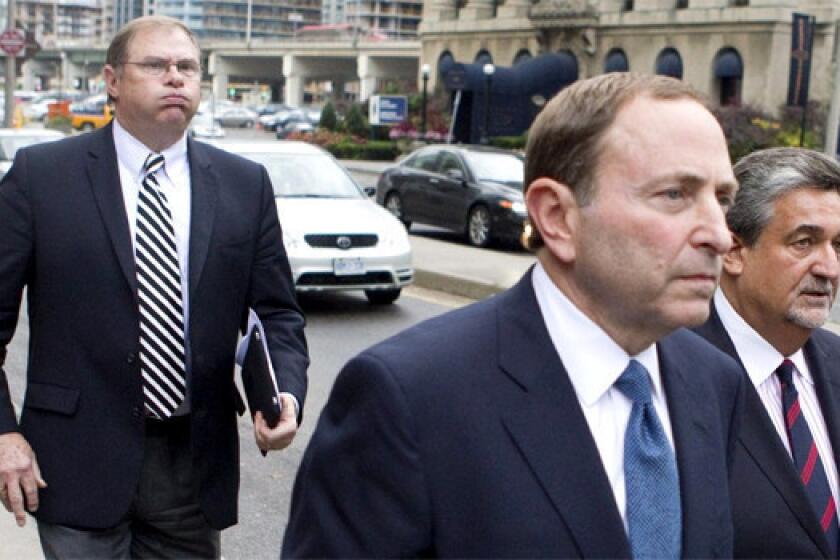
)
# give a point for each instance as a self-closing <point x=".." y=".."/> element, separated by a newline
<point x="348" y="267"/>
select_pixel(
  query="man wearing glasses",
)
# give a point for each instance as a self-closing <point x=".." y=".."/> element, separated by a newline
<point x="141" y="252"/>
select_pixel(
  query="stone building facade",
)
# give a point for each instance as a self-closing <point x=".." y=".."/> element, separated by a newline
<point x="733" y="50"/>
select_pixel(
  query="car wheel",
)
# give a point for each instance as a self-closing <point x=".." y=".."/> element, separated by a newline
<point x="478" y="226"/>
<point x="394" y="205"/>
<point x="87" y="127"/>
<point x="248" y="124"/>
<point x="382" y="297"/>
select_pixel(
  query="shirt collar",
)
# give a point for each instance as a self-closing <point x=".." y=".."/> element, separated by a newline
<point x="132" y="153"/>
<point x="759" y="357"/>
<point x="592" y="359"/>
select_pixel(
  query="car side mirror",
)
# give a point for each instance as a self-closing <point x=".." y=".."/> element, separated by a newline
<point x="370" y="191"/>
<point x="455" y="174"/>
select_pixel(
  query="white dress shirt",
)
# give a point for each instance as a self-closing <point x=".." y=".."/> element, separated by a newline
<point x="594" y="363"/>
<point x="761" y="360"/>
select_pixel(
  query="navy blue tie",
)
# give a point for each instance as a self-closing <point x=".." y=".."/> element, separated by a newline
<point x="806" y="457"/>
<point x="652" y="487"/>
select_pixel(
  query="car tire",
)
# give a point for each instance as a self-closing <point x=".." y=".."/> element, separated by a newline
<point x="248" y="124"/>
<point x="479" y="226"/>
<point x="394" y="205"/>
<point x="382" y="297"/>
<point x="87" y="127"/>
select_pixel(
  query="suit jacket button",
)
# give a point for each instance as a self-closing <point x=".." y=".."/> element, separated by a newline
<point x="131" y="358"/>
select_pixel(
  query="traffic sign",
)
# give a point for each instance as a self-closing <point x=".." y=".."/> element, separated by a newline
<point x="12" y="41"/>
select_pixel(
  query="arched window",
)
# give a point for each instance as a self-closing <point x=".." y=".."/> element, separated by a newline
<point x="571" y="63"/>
<point x="522" y="56"/>
<point x="445" y="62"/>
<point x="483" y="57"/>
<point x="669" y="63"/>
<point x="616" y="61"/>
<point x="729" y="75"/>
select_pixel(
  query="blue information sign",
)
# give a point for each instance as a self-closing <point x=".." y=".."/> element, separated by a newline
<point x="388" y="109"/>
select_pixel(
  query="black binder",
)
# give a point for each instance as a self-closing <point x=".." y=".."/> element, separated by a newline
<point x="258" y="380"/>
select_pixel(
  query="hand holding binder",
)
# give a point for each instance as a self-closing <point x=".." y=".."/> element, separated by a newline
<point x="258" y="378"/>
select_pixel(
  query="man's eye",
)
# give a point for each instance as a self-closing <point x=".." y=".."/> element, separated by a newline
<point x="157" y="65"/>
<point x="803" y="243"/>
<point x="673" y="194"/>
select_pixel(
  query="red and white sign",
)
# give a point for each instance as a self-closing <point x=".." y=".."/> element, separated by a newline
<point x="12" y="41"/>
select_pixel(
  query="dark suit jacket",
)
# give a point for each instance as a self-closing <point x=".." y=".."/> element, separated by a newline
<point x="773" y="517"/>
<point x="65" y="236"/>
<point x="463" y="437"/>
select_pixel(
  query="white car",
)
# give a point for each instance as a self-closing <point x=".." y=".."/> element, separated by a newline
<point x="335" y="236"/>
<point x="203" y="125"/>
<point x="13" y="139"/>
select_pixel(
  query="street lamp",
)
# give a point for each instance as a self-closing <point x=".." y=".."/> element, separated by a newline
<point x="488" y="70"/>
<point x="424" y="70"/>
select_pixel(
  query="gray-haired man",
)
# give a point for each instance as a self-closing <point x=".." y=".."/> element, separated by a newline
<point x="778" y="284"/>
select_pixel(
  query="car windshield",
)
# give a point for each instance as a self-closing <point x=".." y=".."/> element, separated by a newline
<point x="9" y="145"/>
<point x="306" y="176"/>
<point x="507" y="169"/>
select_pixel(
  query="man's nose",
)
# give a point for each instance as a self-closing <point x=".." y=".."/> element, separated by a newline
<point x="711" y="230"/>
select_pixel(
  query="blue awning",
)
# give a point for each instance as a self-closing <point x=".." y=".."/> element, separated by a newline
<point x="544" y="74"/>
<point x="669" y="63"/>
<point x="616" y="62"/>
<point x="728" y="65"/>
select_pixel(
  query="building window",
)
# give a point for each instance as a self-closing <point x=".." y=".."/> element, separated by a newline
<point x="522" y="56"/>
<point x="669" y="63"/>
<point x="627" y="6"/>
<point x="616" y="61"/>
<point x="729" y="76"/>
<point x="681" y="4"/>
<point x="483" y="57"/>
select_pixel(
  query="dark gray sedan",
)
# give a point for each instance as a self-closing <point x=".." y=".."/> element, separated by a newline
<point x="476" y="190"/>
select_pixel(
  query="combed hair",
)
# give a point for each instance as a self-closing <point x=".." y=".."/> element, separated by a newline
<point x="566" y="139"/>
<point x="766" y="175"/>
<point x="118" y="49"/>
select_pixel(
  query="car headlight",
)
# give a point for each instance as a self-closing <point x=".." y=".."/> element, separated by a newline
<point x="395" y="238"/>
<point x="517" y="206"/>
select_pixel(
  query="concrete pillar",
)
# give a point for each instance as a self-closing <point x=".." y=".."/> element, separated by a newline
<point x="28" y="71"/>
<point x="293" y="87"/>
<point x="338" y="86"/>
<point x="438" y="10"/>
<point x="367" y="76"/>
<point x="477" y="9"/>
<point x="218" y="69"/>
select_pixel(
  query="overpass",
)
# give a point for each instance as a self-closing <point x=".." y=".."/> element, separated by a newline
<point x="284" y="64"/>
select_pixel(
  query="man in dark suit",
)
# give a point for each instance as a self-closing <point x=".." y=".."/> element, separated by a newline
<point x="570" y="416"/>
<point x="141" y="252"/>
<point x="778" y="284"/>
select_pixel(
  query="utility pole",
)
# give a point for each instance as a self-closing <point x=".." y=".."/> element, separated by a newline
<point x="11" y="70"/>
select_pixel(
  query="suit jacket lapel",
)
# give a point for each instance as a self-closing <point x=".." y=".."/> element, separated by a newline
<point x="688" y="408"/>
<point x="548" y="427"/>
<point x="761" y="441"/>
<point x="104" y="176"/>
<point x="204" y="194"/>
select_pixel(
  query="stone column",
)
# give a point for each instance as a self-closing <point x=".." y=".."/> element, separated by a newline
<point x="294" y="81"/>
<point x="217" y="68"/>
<point x="367" y="76"/>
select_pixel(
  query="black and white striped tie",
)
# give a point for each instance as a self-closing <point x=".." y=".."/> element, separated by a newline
<point x="159" y="292"/>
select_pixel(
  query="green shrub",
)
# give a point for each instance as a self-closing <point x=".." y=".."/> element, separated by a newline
<point x="59" y="122"/>
<point x="329" y="120"/>
<point x="355" y="123"/>
<point x="509" y="142"/>
<point x="376" y="151"/>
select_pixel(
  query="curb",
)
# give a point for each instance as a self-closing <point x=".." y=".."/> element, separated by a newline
<point x="455" y="285"/>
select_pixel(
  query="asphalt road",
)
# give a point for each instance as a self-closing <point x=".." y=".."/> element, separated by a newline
<point x="339" y="326"/>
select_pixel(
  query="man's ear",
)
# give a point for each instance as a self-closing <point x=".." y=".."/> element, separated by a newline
<point x="111" y="78"/>
<point x="554" y="212"/>
<point x="733" y="260"/>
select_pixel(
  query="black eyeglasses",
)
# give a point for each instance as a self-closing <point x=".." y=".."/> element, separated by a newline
<point x="157" y="67"/>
